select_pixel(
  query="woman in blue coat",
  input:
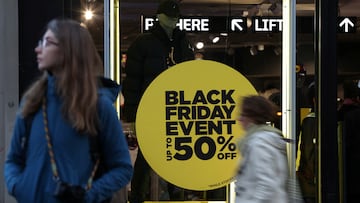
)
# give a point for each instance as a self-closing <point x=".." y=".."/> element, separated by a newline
<point x="52" y="159"/>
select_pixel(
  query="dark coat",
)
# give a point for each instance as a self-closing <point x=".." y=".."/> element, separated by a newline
<point x="351" y="140"/>
<point x="147" y="57"/>
<point x="308" y="148"/>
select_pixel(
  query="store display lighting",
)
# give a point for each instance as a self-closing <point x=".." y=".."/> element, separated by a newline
<point x="215" y="39"/>
<point x="245" y="13"/>
<point x="89" y="14"/>
<point x="261" y="47"/>
<point x="253" y="51"/>
<point x="248" y="22"/>
<point x="199" y="45"/>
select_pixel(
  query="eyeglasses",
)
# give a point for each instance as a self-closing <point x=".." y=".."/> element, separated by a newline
<point x="46" y="42"/>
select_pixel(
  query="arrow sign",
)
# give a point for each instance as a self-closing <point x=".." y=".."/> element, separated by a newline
<point x="346" y="22"/>
<point x="270" y="24"/>
<point x="236" y="24"/>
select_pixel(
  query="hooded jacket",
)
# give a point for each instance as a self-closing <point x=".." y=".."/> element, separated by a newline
<point x="28" y="174"/>
<point x="148" y="56"/>
<point x="263" y="171"/>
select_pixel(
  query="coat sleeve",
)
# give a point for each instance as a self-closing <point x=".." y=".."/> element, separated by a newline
<point x="188" y="50"/>
<point x="134" y="80"/>
<point x="15" y="160"/>
<point x="115" y="154"/>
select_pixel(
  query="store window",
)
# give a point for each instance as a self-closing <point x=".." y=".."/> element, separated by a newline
<point x="247" y="36"/>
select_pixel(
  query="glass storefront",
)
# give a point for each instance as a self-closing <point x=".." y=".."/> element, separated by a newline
<point x="246" y="37"/>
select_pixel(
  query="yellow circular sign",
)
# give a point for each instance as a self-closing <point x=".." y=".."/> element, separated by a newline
<point x="186" y="124"/>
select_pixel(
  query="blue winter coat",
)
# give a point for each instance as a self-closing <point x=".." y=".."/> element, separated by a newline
<point x="31" y="179"/>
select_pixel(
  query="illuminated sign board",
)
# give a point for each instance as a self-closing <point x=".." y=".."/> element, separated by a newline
<point x="267" y="24"/>
<point x="214" y="24"/>
<point x="261" y="24"/>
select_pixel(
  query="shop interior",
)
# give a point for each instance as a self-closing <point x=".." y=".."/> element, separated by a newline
<point x="257" y="55"/>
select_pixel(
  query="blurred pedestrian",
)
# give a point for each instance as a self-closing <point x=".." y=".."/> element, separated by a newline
<point x="263" y="172"/>
<point x="64" y="118"/>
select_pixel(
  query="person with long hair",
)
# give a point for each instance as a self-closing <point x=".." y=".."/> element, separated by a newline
<point x="52" y="159"/>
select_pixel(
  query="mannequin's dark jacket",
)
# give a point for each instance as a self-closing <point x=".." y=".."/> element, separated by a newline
<point x="349" y="116"/>
<point x="308" y="148"/>
<point x="147" y="57"/>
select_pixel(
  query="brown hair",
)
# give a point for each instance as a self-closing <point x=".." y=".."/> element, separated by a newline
<point x="259" y="109"/>
<point x="77" y="82"/>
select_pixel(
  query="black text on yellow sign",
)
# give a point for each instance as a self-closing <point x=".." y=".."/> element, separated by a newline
<point x="206" y="114"/>
<point x="186" y="124"/>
